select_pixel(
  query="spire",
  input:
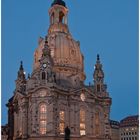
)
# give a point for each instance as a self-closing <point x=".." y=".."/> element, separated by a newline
<point x="59" y="2"/>
<point x="99" y="86"/>
<point x="21" y="73"/>
<point x="21" y="79"/>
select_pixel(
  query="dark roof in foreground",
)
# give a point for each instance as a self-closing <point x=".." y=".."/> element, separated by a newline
<point x="114" y="124"/>
<point x="130" y="121"/>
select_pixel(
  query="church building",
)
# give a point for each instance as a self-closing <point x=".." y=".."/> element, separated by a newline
<point x="54" y="95"/>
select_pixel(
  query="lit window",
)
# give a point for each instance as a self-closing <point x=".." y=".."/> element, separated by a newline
<point x="82" y="115"/>
<point x="62" y="122"/>
<point x="61" y="128"/>
<point x="82" y="132"/>
<point x="61" y="114"/>
<point x="42" y="119"/>
<point x="82" y="126"/>
<point x="43" y="127"/>
<point x="82" y="122"/>
<point x="132" y="128"/>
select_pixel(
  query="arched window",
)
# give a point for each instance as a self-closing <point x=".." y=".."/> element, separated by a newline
<point x="43" y="75"/>
<point x="82" y="122"/>
<point x="98" y="88"/>
<point x="43" y="118"/>
<point x="97" y="124"/>
<point x="62" y="122"/>
<point x="61" y="17"/>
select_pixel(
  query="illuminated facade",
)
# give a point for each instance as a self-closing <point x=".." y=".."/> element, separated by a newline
<point x="129" y="128"/>
<point x="54" y="96"/>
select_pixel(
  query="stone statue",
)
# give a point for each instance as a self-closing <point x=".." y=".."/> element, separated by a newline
<point x="67" y="133"/>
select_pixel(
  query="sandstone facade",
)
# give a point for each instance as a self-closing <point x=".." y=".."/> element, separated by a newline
<point x="54" y="95"/>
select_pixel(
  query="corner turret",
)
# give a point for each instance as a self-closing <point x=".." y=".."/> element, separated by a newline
<point x="99" y="87"/>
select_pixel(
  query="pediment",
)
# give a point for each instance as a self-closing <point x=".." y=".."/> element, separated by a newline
<point x="18" y="96"/>
<point x="42" y="91"/>
<point x="88" y="93"/>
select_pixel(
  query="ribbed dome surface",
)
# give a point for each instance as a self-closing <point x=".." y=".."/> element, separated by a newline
<point x="65" y="51"/>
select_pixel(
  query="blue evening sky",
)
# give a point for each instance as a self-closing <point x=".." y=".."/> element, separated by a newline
<point x="107" y="27"/>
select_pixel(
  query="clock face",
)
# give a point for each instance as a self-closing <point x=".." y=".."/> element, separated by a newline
<point x="44" y="65"/>
<point x="42" y="93"/>
<point x="82" y="96"/>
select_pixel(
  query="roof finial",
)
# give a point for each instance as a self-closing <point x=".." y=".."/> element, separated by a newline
<point x="21" y="73"/>
<point x="98" y="57"/>
<point x="21" y="65"/>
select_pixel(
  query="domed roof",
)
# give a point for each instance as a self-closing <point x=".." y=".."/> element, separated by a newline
<point x="59" y="2"/>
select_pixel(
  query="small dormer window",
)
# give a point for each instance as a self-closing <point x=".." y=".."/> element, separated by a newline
<point x="43" y="75"/>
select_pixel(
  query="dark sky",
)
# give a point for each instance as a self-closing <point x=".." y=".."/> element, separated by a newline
<point x="107" y="27"/>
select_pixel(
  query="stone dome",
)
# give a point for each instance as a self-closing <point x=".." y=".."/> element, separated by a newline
<point x="65" y="51"/>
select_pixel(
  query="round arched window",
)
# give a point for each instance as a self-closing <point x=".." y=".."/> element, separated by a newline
<point x="43" y="118"/>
